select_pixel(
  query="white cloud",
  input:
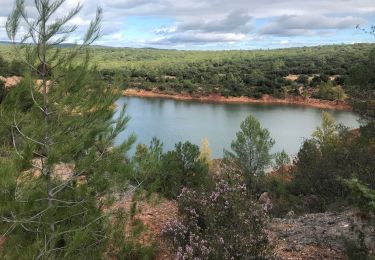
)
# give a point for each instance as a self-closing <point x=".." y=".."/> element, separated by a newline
<point x="293" y="25"/>
<point x="198" y="38"/>
<point x="220" y="21"/>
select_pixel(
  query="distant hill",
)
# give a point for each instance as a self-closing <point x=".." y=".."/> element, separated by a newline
<point x="251" y="73"/>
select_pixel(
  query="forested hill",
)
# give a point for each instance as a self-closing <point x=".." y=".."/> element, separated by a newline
<point x="230" y="73"/>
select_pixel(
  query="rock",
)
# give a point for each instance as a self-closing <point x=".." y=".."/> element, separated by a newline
<point x="10" y="81"/>
<point x="318" y="235"/>
<point x="265" y="201"/>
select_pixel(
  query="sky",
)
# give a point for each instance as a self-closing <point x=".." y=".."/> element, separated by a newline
<point x="218" y="24"/>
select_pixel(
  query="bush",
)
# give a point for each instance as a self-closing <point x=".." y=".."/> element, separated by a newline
<point x="169" y="172"/>
<point x="362" y="196"/>
<point x="221" y="224"/>
<point x="182" y="168"/>
<point x="319" y="163"/>
<point x="316" y="81"/>
<point x="303" y="79"/>
<point x="326" y="91"/>
<point x="334" y="154"/>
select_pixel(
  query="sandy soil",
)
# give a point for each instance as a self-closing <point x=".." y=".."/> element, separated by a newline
<point x="266" y="99"/>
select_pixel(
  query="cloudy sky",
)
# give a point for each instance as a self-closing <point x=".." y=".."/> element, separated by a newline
<point x="221" y="24"/>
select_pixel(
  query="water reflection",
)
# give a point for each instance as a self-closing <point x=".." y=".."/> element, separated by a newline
<point x="173" y="121"/>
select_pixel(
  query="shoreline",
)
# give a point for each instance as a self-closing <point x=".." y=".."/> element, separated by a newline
<point x="266" y="99"/>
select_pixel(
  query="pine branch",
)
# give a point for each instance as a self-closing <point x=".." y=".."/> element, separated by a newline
<point x="15" y="125"/>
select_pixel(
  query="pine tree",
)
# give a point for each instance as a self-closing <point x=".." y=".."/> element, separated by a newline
<point x="251" y="149"/>
<point x="59" y="167"/>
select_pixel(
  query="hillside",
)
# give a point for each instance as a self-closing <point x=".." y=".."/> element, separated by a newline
<point x="228" y="73"/>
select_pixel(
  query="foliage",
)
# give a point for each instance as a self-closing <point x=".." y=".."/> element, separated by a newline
<point x="205" y="151"/>
<point x="237" y="73"/>
<point x="11" y="67"/>
<point x="362" y="87"/>
<point x="2" y="91"/>
<point x="147" y="163"/>
<point x="220" y="224"/>
<point x="251" y="149"/>
<point x="281" y="159"/>
<point x="331" y="155"/>
<point x="182" y="168"/>
<point x="362" y="196"/>
<point x="169" y="172"/>
<point x="303" y="79"/>
<point x="327" y="134"/>
<point x="319" y="163"/>
<point x="327" y="90"/>
<point x="356" y="249"/>
<point x="60" y="169"/>
<point x="127" y="245"/>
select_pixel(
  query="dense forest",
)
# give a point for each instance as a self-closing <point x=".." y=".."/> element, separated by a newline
<point x="320" y="71"/>
<point x="68" y="192"/>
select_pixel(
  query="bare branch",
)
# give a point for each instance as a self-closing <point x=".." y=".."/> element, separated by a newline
<point x="62" y="201"/>
<point x="35" y="102"/>
<point x="25" y="136"/>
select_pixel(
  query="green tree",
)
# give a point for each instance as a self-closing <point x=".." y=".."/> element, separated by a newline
<point x="234" y="84"/>
<point x="183" y="167"/>
<point x="60" y="168"/>
<point x="147" y="163"/>
<point x="322" y="161"/>
<point x="281" y="159"/>
<point x="362" y="87"/>
<point x="363" y="196"/>
<point x="255" y="78"/>
<point x="327" y="134"/>
<point x="326" y="91"/>
<point x="251" y="149"/>
<point x="303" y="79"/>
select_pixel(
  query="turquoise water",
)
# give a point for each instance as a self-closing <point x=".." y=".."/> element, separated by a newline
<point x="173" y="121"/>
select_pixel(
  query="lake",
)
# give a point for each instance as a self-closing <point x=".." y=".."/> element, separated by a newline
<point x="173" y="121"/>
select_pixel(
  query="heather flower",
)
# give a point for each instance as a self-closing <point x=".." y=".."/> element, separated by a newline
<point x="200" y="232"/>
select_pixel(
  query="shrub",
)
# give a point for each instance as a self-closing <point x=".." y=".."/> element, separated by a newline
<point x="182" y="168"/>
<point x="362" y="196"/>
<point x="331" y="155"/>
<point x="316" y="81"/>
<point x="319" y="164"/>
<point x="303" y="79"/>
<point x="168" y="172"/>
<point x="221" y="224"/>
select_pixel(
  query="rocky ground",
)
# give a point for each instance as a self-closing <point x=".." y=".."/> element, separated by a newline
<point x="311" y="236"/>
<point x="318" y="236"/>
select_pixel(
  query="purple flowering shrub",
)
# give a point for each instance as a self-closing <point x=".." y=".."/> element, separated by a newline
<point x="221" y="224"/>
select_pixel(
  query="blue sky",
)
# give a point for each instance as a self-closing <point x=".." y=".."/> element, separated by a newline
<point x="219" y="24"/>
